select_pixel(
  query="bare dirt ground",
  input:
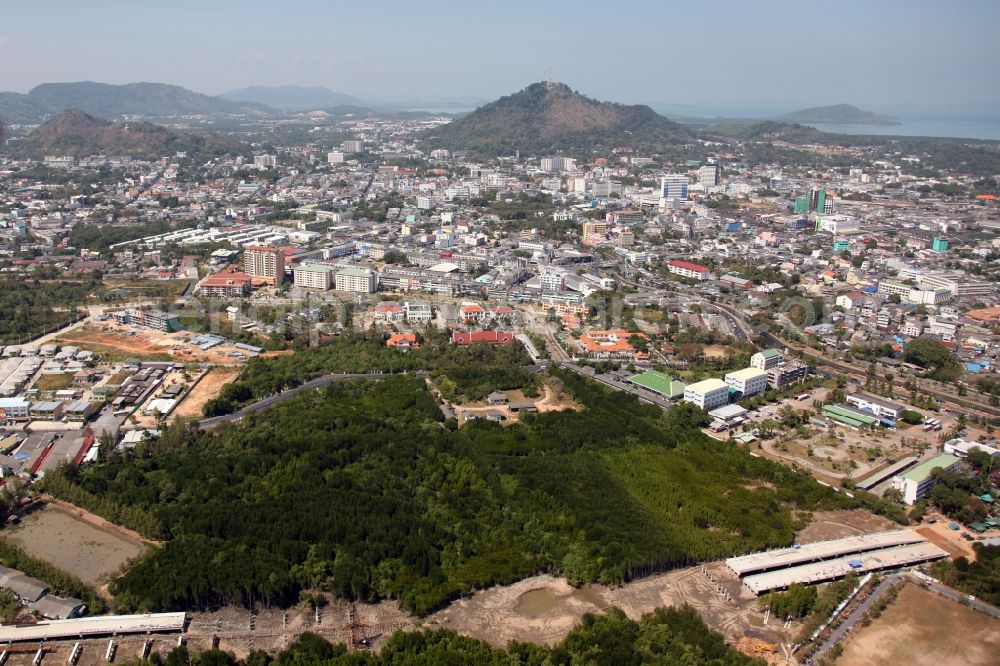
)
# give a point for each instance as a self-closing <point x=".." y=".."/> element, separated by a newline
<point x="717" y="351"/>
<point x="205" y="390"/>
<point x="548" y="402"/>
<point x="86" y="551"/>
<point x="924" y="629"/>
<point x="949" y="540"/>
<point x="543" y="609"/>
<point x="826" y="525"/>
<point x="147" y="345"/>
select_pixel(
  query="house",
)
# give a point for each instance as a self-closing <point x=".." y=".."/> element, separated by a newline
<point x="404" y="341"/>
<point x="389" y="311"/>
<point x="472" y="313"/>
<point x="496" y="398"/>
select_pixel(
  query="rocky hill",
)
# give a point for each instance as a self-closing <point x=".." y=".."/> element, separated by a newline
<point x="552" y="117"/>
<point x="111" y="102"/>
<point x="838" y="114"/>
<point x="78" y="134"/>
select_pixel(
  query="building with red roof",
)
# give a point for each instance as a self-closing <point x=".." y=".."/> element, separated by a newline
<point x="488" y="337"/>
<point x="688" y="270"/>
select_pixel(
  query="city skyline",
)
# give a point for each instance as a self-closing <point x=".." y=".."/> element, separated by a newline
<point x="856" y="54"/>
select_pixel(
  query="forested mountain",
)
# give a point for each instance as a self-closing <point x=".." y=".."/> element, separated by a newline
<point x="292" y="98"/>
<point x="151" y="100"/>
<point x="551" y="116"/>
<point x="362" y="489"/>
<point x="78" y="134"/>
<point x="838" y="114"/>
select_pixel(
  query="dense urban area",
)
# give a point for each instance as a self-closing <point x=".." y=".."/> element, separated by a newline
<point x="347" y="386"/>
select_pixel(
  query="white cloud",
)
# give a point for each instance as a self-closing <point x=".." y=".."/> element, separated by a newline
<point x="4" y="41"/>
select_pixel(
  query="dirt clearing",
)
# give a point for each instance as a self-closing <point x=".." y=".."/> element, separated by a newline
<point x="205" y="390"/>
<point x="827" y="525"/>
<point x="88" y="552"/>
<point x="924" y="629"/>
<point x="543" y="609"/>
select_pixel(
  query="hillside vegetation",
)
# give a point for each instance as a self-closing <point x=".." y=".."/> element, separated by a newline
<point x="151" y="100"/>
<point x="552" y="117"/>
<point x="78" y="134"/>
<point x="361" y="489"/>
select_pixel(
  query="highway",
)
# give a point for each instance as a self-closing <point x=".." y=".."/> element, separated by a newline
<point x="264" y="403"/>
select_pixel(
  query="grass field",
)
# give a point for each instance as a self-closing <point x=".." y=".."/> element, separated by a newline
<point x="55" y="382"/>
<point x="924" y="629"/>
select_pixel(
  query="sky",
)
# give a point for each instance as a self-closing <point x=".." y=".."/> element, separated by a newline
<point x="748" y="55"/>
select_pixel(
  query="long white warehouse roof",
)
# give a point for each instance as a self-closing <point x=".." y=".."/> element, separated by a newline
<point x="821" y="550"/>
<point x="98" y="625"/>
<point x="818" y="572"/>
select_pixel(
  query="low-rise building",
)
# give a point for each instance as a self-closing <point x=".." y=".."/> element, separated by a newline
<point x="688" y="270"/>
<point x="878" y="406"/>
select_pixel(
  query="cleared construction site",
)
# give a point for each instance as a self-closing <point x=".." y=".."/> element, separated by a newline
<point x="831" y="560"/>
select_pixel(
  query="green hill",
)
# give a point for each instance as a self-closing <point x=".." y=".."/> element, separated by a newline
<point x="838" y="114"/>
<point x="552" y="117"/>
<point x="78" y="134"/>
<point x="151" y="100"/>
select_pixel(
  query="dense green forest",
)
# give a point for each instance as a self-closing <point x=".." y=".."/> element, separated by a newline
<point x="31" y="307"/>
<point x="668" y="636"/>
<point x="362" y="490"/>
<point x="465" y="373"/>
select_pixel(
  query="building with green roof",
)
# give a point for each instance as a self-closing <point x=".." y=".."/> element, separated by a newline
<point x="849" y="417"/>
<point x="917" y="481"/>
<point x="659" y="383"/>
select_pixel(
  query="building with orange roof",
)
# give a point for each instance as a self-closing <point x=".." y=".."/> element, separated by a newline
<point x="404" y="341"/>
<point x="990" y="316"/>
<point x="613" y="343"/>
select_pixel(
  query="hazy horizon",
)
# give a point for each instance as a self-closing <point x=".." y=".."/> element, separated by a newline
<point x="739" y="56"/>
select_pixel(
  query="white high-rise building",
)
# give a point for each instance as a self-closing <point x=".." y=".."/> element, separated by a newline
<point x="352" y="146"/>
<point x="264" y="161"/>
<point x="710" y="175"/>
<point x="674" y="186"/>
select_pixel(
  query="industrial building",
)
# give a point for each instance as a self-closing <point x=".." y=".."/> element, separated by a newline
<point x="830" y="560"/>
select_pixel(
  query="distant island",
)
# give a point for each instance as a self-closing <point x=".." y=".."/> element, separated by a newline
<point x="838" y="114"/>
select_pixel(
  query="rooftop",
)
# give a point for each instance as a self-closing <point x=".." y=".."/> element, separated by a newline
<point x="708" y="385"/>
<point x="924" y="469"/>
<point x="659" y="382"/>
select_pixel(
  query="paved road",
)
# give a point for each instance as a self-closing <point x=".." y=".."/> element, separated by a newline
<point x="270" y="400"/>
<point x="960" y="597"/>
<point x="848" y="623"/>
